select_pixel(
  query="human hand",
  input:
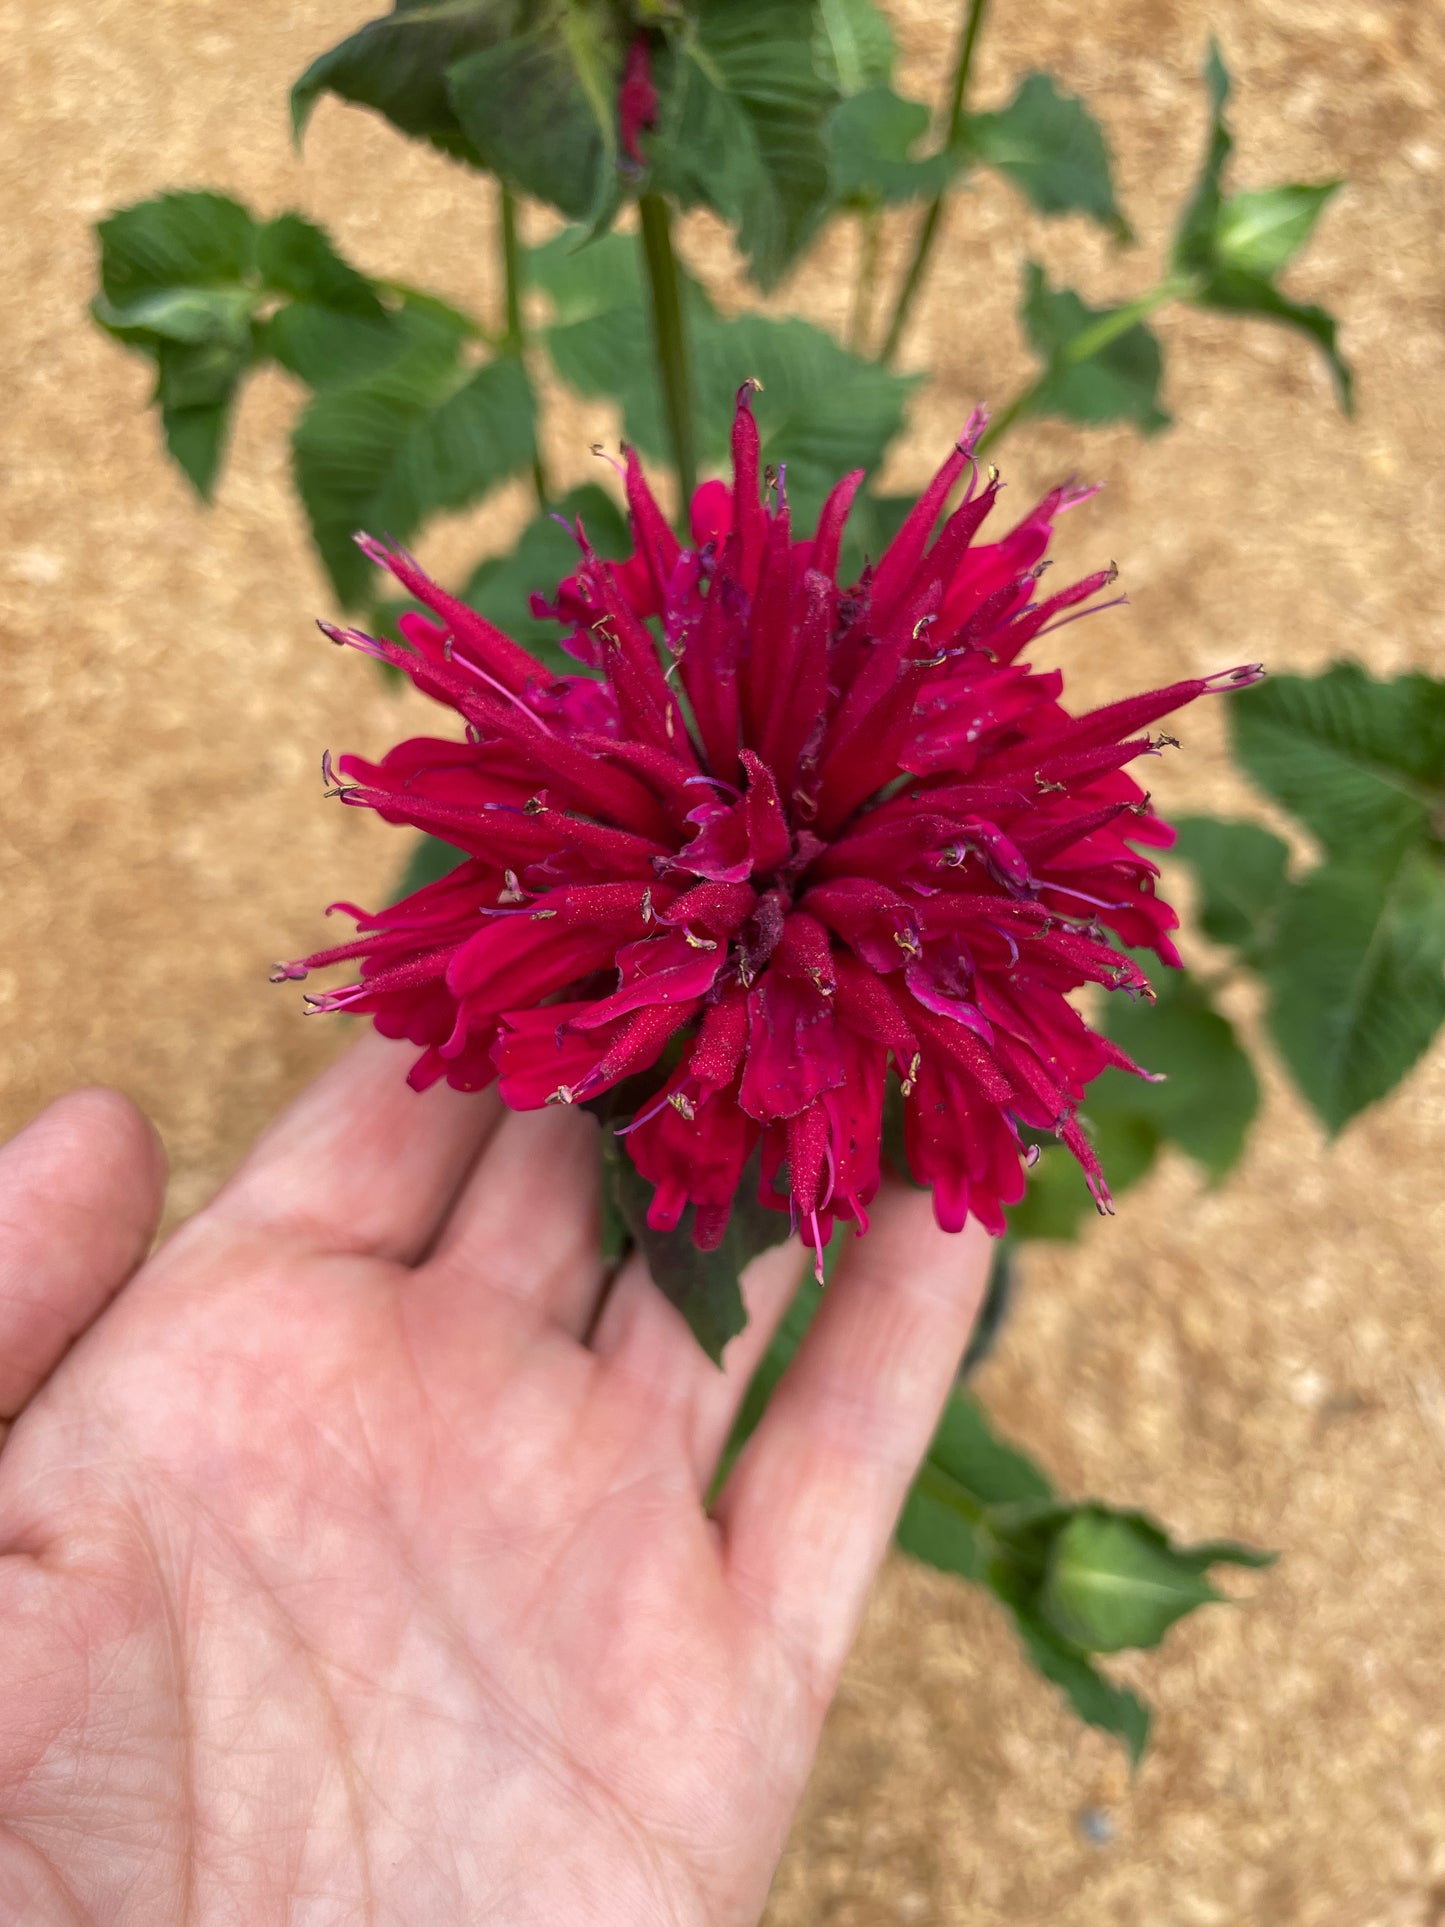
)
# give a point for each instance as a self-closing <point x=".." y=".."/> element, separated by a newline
<point x="354" y="1566"/>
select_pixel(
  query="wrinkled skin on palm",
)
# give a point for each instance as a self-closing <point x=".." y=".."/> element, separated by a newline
<point x="778" y="841"/>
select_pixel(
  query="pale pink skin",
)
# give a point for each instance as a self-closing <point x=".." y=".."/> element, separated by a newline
<point x="342" y="1581"/>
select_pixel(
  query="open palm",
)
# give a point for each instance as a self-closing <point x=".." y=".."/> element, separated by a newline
<point x="354" y="1565"/>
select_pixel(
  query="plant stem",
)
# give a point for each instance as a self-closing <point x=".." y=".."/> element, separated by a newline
<point x="870" y="230"/>
<point x="514" y="339"/>
<point x="935" y="1483"/>
<point x="669" y="339"/>
<point x="927" y="233"/>
<point x="1085" y="345"/>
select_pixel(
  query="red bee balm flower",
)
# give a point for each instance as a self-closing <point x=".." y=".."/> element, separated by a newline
<point x="636" y="100"/>
<point x="784" y="833"/>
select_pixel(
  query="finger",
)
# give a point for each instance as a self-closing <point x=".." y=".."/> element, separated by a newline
<point x="526" y="1223"/>
<point x="645" y="1340"/>
<point x="361" y="1162"/>
<point x="80" y="1195"/>
<point x="810" y="1507"/>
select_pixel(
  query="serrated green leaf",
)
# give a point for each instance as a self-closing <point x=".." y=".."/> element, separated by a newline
<point x="196" y="438"/>
<point x="179" y="283"/>
<point x="422" y="435"/>
<point x="1239" y="869"/>
<point x="1095" y="1699"/>
<point x="1194" y="239"/>
<point x="1261" y="230"/>
<point x="534" y="119"/>
<point x="583" y="278"/>
<point x="296" y="258"/>
<point x="742" y="126"/>
<point x="200" y="374"/>
<point x="181" y="314"/>
<point x="1235" y="293"/>
<point x="1118" y="383"/>
<point x="968" y="1449"/>
<point x="1356" y="977"/>
<point x="704" y="1285"/>
<point x="176" y="241"/>
<point x="397" y="65"/>
<point x="334" y="329"/>
<point x="1053" y="150"/>
<point x="1360" y="762"/>
<point x="1228" y="249"/>
<point x="822" y="410"/>
<point x="871" y="136"/>
<point x="1057" y="1204"/>
<point x="853" y="45"/>
<point x="502" y="586"/>
<point x="327" y="349"/>
<point x="429" y="862"/>
<point x="186" y="279"/>
<point x="1209" y="1095"/>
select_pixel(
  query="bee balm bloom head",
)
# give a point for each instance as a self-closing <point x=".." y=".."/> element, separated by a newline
<point x="778" y="840"/>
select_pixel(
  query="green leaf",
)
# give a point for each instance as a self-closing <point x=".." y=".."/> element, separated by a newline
<point x="334" y="329"/>
<point x="1361" y="763"/>
<point x="1096" y="1699"/>
<point x="1195" y="238"/>
<point x="1205" y="1105"/>
<point x="179" y="283"/>
<point x="1118" y="383"/>
<point x="423" y="434"/>
<point x="1240" y="872"/>
<point x="971" y="1453"/>
<point x="742" y="126"/>
<point x="1355" y="978"/>
<point x="704" y="1285"/>
<point x="822" y="411"/>
<point x="185" y="279"/>
<point x="1053" y="150"/>
<point x="1115" y="1581"/>
<point x="1229" y="249"/>
<point x="196" y="438"/>
<point x="397" y="65"/>
<point x="1058" y="1204"/>
<point x="1237" y="293"/>
<point x="181" y="314"/>
<point x="853" y="45"/>
<point x="1209" y="1095"/>
<point x="329" y="348"/>
<point x="296" y="258"/>
<point x="429" y="862"/>
<point x="979" y="1508"/>
<point x="502" y="586"/>
<point x="1262" y="230"/>
<point x="998" y="1298"/>
<point x="535" y="117"/>
<point x="871" y="136"/>
<point x="173" y="243"/>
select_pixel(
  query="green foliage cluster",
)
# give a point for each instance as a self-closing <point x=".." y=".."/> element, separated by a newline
<point x="782" y="117"/>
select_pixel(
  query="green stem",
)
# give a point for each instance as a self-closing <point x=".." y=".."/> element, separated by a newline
<point x="1085" y="345"/>
<point x="669" y="339"/>
<point x="928" y="231"/>
<point x="870" y="230"/>
<point x="937" y="1484"/>
<point x="514" y="339"/>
